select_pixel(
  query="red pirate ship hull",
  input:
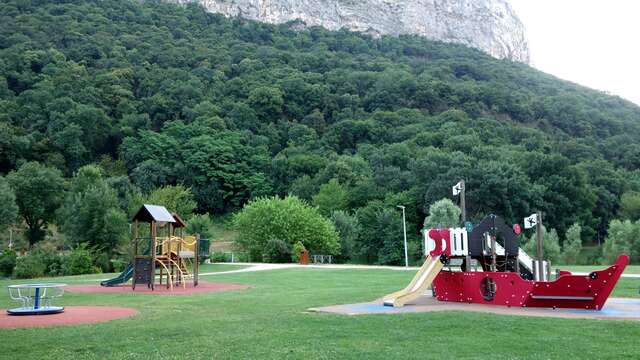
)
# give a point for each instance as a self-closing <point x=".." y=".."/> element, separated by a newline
<point x="508" y="276"/>
<point x="510" y="289"/>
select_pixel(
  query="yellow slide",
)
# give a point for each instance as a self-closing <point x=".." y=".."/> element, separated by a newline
<point x="418" y="285"/>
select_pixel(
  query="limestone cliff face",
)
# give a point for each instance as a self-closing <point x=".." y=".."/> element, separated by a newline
<point x="489" y="25"/>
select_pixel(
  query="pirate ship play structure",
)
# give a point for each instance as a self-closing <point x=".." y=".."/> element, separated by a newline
<point x="163" y="252"/>
<point x="485" y="265"/>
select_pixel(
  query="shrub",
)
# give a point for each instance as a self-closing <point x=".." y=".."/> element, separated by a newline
<point x="7" y="263"/>
<point x="118" y="265"/>
<point x="219" y="257"/>
<point x="28" y="267"/>
<point x="276" y="251"/>
<point x="103" y="262"/>
<point x="268" y="228"/>
<point x="297" y="249"/>
<point x="39" y="263"/>
<point x="79" y="261"/>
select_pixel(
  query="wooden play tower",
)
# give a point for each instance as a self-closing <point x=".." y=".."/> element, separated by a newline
<point x="163" y="252"/>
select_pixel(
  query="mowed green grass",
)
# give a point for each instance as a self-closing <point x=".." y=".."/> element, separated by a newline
<point x="207" y="268"/>
<point x="269" y="321"/>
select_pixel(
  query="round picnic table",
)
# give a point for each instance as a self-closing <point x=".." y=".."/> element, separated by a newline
<point x="36" y="298"/>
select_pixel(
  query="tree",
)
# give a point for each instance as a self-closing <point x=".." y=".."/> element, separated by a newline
<point x="9" y="209"/>
<point x="270" y="226"/>
<point x="223" y="171"/>
<point x="572" y="245"/>
<point x="630" y="205"/>
<point x="389" y="230"/>
<point x="267" y="102"/>
<point x="91" y="214"/>
<point x="201" y="224"/>
<point x="332" y="197"/>
<point x="348" y="228"/>
<point x="245" y="110"/>
<point x="39" y="193"/>
<point x="177" y="199"/>
<point x="380" y="240"/>
<point x="622" y="238"/>
<point x="442" y="214"/>
<point x="550" y="246"/>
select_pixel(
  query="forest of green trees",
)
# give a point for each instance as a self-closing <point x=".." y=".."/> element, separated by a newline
<point x="105" y="104"/>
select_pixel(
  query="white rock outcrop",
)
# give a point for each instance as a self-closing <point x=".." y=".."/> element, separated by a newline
<point x="488" y="25"/>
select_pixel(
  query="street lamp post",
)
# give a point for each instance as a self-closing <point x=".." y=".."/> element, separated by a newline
<point x="404" y="228"/>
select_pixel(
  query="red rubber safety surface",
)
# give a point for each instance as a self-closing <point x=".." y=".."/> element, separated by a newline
<point x="203" y="287"/>
<point x="72" y="315"/>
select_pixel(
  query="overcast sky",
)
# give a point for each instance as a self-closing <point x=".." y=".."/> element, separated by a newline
<point x="595" y="43"/>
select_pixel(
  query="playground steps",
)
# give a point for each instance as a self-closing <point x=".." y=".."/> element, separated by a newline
<point x="179" y="271"/>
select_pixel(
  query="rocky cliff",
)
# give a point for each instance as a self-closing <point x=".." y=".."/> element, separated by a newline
<point x="489" y="25"/>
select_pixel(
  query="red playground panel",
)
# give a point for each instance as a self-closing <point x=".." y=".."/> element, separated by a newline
<point x="503" y="273"/>
<point x="509" y="289"/>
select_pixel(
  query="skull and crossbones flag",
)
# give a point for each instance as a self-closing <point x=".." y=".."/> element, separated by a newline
<point x="531" y="221"/>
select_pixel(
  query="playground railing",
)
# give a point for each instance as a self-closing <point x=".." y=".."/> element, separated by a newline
<point x="177" y="244"/>
<point x="321" y="259"/>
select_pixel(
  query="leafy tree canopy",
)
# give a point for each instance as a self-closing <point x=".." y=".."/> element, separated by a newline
<point x="162" y="94"/>
<point x="266" y="223"/>
<point x="39" y="193"/>
<point x="442" y="214"/>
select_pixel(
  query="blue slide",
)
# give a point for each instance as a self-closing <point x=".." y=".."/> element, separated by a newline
<point x="124" y="276"/>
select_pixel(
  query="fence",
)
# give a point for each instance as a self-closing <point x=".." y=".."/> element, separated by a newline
<point x="321" y="259"/>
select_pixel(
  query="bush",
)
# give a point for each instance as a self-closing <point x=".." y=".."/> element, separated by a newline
<point x="103" y="262"/>
<point x="7" y="263"/>
<point x="268" y="228"/>
<point x="118" y="265"/>
<point x="29" y="266"/>
<point x="297" y="249"/>
<point x="79" y="261"/>
<point x="219" y="257"/>
<point x="276" y="251"/>
<point x="39" y="263"/>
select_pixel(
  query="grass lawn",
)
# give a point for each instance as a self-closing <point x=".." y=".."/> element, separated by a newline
<point x="269" y="321"/>
<point x="207" y="268"/>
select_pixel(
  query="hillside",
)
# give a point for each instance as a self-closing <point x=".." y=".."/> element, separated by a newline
<point x="236" y="109"/>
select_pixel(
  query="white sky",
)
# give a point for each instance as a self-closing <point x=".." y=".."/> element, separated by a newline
<point x="595" y="43"/>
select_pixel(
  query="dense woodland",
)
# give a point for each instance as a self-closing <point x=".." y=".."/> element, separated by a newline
<point x="154" y="95"/>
